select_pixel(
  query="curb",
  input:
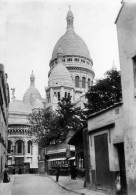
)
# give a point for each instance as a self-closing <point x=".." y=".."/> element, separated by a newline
<point x="80" y="193"/>
<point x="76" y="192"/>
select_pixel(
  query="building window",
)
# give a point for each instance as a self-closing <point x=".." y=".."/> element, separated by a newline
<point x="58" y="96"/>
<point x="88" y="83"/>
<point x="83" y="61"/>
<point x="134" y="69"/>
<point x="29" y="147"/>
<point x="48" y="97"/>
<point x="83" y="82"/>
<point x="19" y="147"/>
<point x="70" y="22"/>
<point x="9" y="146"/>
<point x="65" y="94"/>
<point x="69" y="59"/>
<point x="77" y="81"/>
<point x="76" y="59"/>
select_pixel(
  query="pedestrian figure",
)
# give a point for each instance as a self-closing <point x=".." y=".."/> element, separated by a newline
<point x="73" y="172"/>
<point x="57" y="172"/>
<point x="6" y="178"/>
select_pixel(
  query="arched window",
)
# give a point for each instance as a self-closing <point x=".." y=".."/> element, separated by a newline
<point x="29" y="147"/>
<point x="83" y="61"/>
<point x="88" y="83"/>
<point x="65" y="94"/>
<point x="19" y="147"/>
<point x="69" y="59"/>
<point x="77" y="81"/>
<point x="9" y="146"/>
<point x="58" y="96"/>
<point x="76" y="59"/>
<point x="83" y="82"/>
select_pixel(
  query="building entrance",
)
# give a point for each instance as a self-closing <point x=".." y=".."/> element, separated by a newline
<point x="102" y="161"/>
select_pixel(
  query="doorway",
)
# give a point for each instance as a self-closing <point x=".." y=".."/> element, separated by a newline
<point x="102" y="161"/>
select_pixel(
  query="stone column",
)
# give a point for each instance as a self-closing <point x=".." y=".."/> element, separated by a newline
<point x="13" y="153"/>
<point x="80" y="82"/>
<point x="25" y="150"/>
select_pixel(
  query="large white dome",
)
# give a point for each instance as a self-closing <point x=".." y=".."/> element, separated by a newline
<point x="70" y="42"/>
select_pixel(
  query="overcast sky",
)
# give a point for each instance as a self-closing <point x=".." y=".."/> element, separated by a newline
<point x="29" y="30"/>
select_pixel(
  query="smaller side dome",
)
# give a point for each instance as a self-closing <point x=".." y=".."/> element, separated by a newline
<point x="60" y="76"/>
<point x="37" y="104"/>
<point x="31" y="91"/>
<point x="32" y="78"/>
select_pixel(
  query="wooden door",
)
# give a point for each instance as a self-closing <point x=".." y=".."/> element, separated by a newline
<point x="102" y="161"/>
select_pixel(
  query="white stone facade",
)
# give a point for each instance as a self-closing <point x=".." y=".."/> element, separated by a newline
<point x="76" y="58"/>
<point x="22" y="148"/>
<point x="28" y="152"/>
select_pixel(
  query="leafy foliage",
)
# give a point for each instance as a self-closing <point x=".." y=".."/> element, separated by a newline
<point x="105" y="93"/>
<point x="44" y="126"/>
<point x="49" y="126"/>
<point x="69" y="117"/>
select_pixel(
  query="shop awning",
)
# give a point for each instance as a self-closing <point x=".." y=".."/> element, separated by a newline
<point x="72" y="158"/>
<point x="56" y="159"/>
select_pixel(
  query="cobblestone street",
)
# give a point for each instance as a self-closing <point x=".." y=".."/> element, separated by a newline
<point x="27" y="184"/>
<point x="34" y="185"/>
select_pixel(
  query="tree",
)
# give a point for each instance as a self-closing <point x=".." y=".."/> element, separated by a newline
<point x="68" y="117"/>
<point x="105" y="93"/>
<point x="48" y="126"/>
<point x="44" y="126"/>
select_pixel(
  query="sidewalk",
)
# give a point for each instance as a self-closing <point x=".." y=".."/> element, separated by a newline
<point x="5" y="188"/>
<point x="74" y="185"/>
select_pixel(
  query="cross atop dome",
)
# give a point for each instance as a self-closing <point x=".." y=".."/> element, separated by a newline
<point x="70" y="19"/>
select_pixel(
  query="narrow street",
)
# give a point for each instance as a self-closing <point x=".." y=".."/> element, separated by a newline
<point x="34" y="185"/>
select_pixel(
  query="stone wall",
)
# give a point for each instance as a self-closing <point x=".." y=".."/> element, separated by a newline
<point x="126" y="30"/>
